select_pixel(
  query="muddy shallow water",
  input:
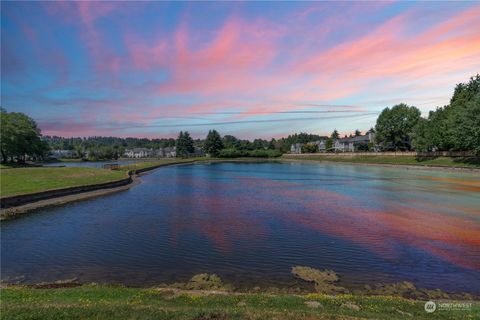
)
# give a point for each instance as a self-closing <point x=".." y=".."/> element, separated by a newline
<point x="251" y="222"/>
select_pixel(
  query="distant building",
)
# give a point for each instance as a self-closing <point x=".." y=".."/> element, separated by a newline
<point x="347" y="144"/>
<point x="170" y="152"/>
<point x="139" y="153"/>
<point x="296" y="148"/>
<point x="160" y="153"/>
<point x="321" y="144"/>
<point x="343" y="145"/>
<point x="57" y="154"/>
<point x="198" y="152"/>
<point x="353" y="144"/>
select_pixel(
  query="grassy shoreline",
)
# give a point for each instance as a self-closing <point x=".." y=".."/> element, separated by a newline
<point x="22" y="181"/>
<point x="105" y="302"/>
<point x="440" y="162"/>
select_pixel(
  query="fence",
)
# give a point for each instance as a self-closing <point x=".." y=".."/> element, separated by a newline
<point x="459" y="154"/>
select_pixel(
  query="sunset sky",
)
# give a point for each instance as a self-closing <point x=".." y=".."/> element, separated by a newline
<point x="261" y="69"/>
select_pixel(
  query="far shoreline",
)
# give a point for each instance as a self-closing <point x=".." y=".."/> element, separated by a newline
<point x="390" y="165"/>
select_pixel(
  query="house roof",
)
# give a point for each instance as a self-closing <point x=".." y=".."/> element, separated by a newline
<point x="140" y="150"/>
<point x="360" y="138"/>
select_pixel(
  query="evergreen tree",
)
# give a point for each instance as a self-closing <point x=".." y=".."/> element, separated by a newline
<point x="184" y="145"/>
<point x="213" y="143"/>
<point x="335" y="134"/>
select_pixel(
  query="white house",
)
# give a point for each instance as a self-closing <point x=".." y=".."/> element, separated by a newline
<point x="296" y="148"/>
<point x="343" y="145"/>
<point x="138" y="153"/>
<point x="354" y="143"/>
<point x="170" y="152"/>
<point x="62" y="154"/>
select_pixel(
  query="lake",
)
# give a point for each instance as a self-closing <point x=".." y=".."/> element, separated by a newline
<point x="251" y="222"/>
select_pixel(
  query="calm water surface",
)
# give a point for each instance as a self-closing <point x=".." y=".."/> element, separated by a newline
<point x="251" y="222"/>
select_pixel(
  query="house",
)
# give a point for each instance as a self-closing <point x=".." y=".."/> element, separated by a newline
<point x="138" y="153"/>
<point x="352" y="144"/>
<point x="57" y="154"/>
<point x="198" y="152"/>
<point x="160" y="153"/>
<point x="170" y="152"/>
<point x="360" y="143"/>
<point x="321" y="144"/>
<point x="343" y="145"/>
<point x="296" y="148"/>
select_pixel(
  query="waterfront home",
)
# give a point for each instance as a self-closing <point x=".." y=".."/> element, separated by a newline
<point x="159" y="153"/>
<point x="352" y="144"/>
<point x="138" y="153"/>
<point x="321" y="144"/>
<point x="296" y="148"/>
<point x="343" y="145"/>
<point x="360" y="143"/>
<point x="57" y="154"/>
<point x="170" y="152"/>
<point x="198" y="152"/>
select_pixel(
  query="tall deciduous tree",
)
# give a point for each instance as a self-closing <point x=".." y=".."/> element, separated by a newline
<point x="394" y="128"/>
<point x="213" y="143"/>
<point x="20" y="137"/>
<point x="465" y="119"/>
<point x="455" y="127"/>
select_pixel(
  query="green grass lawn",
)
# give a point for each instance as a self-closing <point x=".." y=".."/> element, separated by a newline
<point x="17" y="181"/>
<point x="400" y="160"/>
<point x="100" y="302"/>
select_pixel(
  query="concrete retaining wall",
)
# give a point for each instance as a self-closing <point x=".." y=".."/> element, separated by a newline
<point x="13" y="201"/>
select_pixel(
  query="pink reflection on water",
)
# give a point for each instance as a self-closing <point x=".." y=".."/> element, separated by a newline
<point x="378" y="224"/>
<point x="455" y="239"/>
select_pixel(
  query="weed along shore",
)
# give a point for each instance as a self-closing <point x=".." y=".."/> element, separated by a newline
<point x="206" y="296"/>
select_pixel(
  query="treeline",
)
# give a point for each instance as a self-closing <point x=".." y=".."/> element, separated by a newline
<point x="454" y="127"/>
<point x="228" y="146"/>
<point x="104" y="148"/>
<point x="60" y="143"/>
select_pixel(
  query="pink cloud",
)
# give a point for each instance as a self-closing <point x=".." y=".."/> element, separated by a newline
<point x="251" y="66"/>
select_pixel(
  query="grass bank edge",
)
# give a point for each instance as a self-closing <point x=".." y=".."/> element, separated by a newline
<point x="124" y="302"/>
<point x="26" y="181"/>
<point x="440" y="162"/>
